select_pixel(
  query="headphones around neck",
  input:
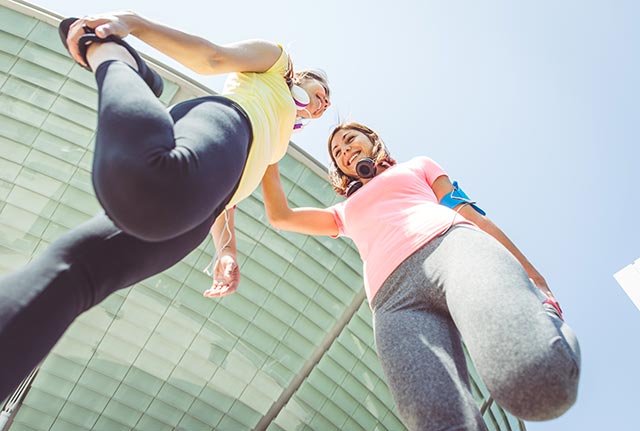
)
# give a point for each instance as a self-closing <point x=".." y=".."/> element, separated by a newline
<point x="365" y="168"/>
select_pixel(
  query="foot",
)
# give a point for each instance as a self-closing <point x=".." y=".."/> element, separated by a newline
<point x="98" y="53"/>
<point x="131" y="56"/>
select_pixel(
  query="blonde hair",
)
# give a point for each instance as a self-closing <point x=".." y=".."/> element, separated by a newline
<point x="338" y="179"/>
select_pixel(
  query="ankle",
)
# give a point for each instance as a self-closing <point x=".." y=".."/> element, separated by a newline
<point x="98" y="53"/>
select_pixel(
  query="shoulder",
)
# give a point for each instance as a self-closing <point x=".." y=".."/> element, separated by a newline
<point x="282" y="63"/>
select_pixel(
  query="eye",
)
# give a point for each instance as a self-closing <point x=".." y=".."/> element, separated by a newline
<point x="350" y="138"/>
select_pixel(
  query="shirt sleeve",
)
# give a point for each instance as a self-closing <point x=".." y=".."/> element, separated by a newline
<point x="282" y="63"/>
<point x="431" y="169"/>
<point x="338" y="216"/>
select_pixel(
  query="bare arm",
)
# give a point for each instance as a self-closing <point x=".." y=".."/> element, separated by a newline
<point x="192" y="51"/>
<point x="310" y="221"/>
<point x="442" y="185"/>
<point x="226" y="272"/>
<point x="224" y="237"/>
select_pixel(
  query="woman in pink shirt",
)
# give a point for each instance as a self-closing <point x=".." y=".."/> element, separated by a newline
<point x="436" y="277"/>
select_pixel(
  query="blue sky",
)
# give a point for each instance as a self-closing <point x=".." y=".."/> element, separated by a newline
<point x="531" y="105"/>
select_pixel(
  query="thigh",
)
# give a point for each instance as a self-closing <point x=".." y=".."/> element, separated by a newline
<point x="156" y="188"/>
<point x="423" y="360"/>
<point x="519" y="351"/>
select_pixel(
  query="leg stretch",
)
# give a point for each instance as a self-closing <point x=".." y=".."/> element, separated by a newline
<point x="41" y="300"/>
<point x="160" y="174"/>
<point x="422" y="356"/>
<point x="529" y="359"/>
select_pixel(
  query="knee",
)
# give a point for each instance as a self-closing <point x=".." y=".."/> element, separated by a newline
<point x="543" y="390"/>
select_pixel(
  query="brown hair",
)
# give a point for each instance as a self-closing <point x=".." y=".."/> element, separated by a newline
<point x="338" y="179"/>
<point x="295" y="78"/>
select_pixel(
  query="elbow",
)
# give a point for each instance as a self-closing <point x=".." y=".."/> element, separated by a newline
<point x="275" y="220"/>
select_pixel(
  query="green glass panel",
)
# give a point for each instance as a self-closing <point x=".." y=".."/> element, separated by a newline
<point x="318" y="315"/>
<point x="271" y="323"/>
<point x="190" y="423"/>
<point x="148" y="423"/>
<point x="75" y="113"/>
<point x="16" y="108"/>
<point x="62" y="425"/>
<point x="19" y="89"/>
<point x="319" y="422"/>
<point x="122" y="413"/>
<point x="205" y="413"/>
<point x="45" y="58"/>
<point x="243" y="414"/>
<point x="16" y="23"/>
<point x="14" y="151"/>
<point x="57" y="125"/>
<point x="17" y="130"/>
<point x="105" y="424"/>
<point x="73" y="416"/>
<point x="80" y="93"/>
<point x="88" y="399"/>
<point x="38" y="75"/>
<point x="259" y="339"/>
<point x="364" y="418"/>
<point x="46" y="403"/>
<point x="30" y="419"/>
<point x="228" y="423"/>
<point x="143" y="381"/>
<point x="59" y="148"/>
<point x="153" y="364"/>
<point x="164" y="412"/>
<point x="310" y="267"/>
<point x="334" y="414"/>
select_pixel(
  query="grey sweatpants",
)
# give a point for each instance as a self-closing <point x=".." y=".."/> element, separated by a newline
<point x="465" y="286"/>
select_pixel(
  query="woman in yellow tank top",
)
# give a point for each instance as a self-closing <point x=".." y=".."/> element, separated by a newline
<point x="164" y="177"/>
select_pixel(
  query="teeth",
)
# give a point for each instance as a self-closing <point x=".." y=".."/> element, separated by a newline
<point x="353" y="157"/>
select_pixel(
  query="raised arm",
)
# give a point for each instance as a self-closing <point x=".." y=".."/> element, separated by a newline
<point x="192" y="51"/>
<point x="310" y="221"/>
<point x="442" y="185"/>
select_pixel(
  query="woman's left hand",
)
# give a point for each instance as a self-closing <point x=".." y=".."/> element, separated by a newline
<point x="226" y="277"/>
<point x="539" y="281"/>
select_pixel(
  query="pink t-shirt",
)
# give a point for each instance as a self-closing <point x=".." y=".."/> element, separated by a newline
<point x="392" y="216"/>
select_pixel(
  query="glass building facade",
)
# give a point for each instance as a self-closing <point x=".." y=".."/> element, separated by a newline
<point x="291" y="350"/>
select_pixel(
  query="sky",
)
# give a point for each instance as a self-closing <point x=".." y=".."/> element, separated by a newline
<point x="533" y="106"/>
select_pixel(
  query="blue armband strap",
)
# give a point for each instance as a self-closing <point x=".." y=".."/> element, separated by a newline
<point x="457" y="197"/>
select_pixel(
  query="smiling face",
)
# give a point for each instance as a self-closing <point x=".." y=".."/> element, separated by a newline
<point x="347" y="147"/>
<point x="318" y="98"/>
<point x="349" y="143"/>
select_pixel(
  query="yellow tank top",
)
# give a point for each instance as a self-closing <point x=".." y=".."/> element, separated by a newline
<point x="267" y="100"/>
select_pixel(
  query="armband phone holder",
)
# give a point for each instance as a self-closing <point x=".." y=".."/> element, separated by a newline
<point x="457" y="197"/>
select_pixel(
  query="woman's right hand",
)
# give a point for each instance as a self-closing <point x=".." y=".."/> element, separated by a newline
<point x="226" y="277"/>
<point x="119" y="24"/>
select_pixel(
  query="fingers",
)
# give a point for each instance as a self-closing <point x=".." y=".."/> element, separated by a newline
<point x="220" y="289"/>
<point x="102" y="27"/>
<point x="75" y="31"/>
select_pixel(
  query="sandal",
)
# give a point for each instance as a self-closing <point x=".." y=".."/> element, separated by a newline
<point x="150" y="76"/>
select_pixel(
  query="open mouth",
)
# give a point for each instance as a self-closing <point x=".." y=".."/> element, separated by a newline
<point x="352" y="158"/>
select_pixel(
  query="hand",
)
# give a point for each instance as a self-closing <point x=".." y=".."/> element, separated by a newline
<point x="103" y="25"/>
<point x="226" y="277"/>
<point x="541" y="284"/>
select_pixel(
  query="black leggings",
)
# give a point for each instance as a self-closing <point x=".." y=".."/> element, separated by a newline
<point x="162" y="179"/>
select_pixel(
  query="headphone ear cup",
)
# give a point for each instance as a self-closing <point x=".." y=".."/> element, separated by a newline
<point x="366" y="168"/>
<point x="353" y="187"/>
<point x="300" y="96"/>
